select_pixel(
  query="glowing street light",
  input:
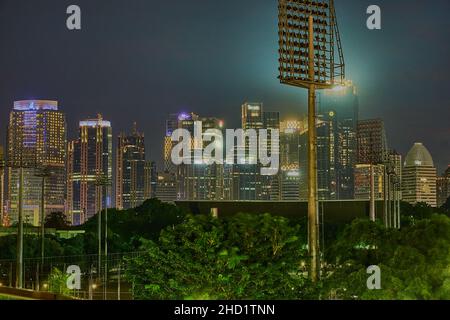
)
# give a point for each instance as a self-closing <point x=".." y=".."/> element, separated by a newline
<point x="308" y="39"/>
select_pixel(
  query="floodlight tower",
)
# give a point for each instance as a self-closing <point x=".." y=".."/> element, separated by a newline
<point x="310" y="56"/>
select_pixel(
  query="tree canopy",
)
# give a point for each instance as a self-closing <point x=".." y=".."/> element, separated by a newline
<point x="243" y="257"/>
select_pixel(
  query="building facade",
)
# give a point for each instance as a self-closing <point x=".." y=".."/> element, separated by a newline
<point x="289" y="176"/>
<point x="443" y="188"/>
<point x="363" y="181"/>
<point x="166" y="189"/>
<point x="90" y="160"/>
<point x="419" y="177"/>
<point x="36" y="141"/>
<point x="342" y="104"/>
<point x="372" y="143"/>
<point x="150" y="180"/>
<point x="130" y="170"/>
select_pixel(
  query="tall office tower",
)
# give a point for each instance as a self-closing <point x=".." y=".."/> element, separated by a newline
<point x="150" y="180"/>
<point x="166" y="189"/>
<point x="201" y="180"/>
<point x="363" y="181"/>
<point x="419" y="176"/>
<point x="326" y="158"/>
<point x="342" y="102"/>
<point x="252" y="116"/>
<point x="372" y="144"/>
<point x="289" y="178"/>
<point x="443" y="188"/>
<point x="270" y="185"/>
<point x="246" y="178"/>
<point x="90" y="160"/>
<point x="172" y="124"/>
<point x="36" y="141"/>
<point x="2" y="185"/>
<point x="130" y="170"/>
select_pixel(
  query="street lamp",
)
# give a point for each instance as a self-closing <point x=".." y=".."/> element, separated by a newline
<point x="308" y="39"/>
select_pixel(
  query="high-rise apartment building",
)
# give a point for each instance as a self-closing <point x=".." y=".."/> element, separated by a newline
<point x="90" y="161"/>
<point x="130" y="170"/>
<point x="419" y="177"/>
<point x="36" y="141"/>
<point x="443" y="187"/>
<point x="342" y="103"/>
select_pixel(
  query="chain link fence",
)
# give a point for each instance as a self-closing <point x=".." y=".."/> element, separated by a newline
<point x="97" y="282"/>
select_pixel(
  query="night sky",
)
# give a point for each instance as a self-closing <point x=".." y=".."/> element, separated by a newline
<point x="138" y="60"/>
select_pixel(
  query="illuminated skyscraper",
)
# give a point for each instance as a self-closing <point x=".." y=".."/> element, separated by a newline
<point x="419" y="177"/>
<point x="130" y="170"/>
<point x="246" y="178"/>
<point x="342" y="102"/>
<point x="247" y="181"/>
<point x="36" y="140"/>
<point x="270" y="185"/>
<point x="172" y="124"/>
<point x="252" y="116"/>
<point x="443" y="187"/>
<point x="90" y="159"/>
<point x="200" y="180"/>
<point x="289" y="177"/>
<point x="326" y="158"/>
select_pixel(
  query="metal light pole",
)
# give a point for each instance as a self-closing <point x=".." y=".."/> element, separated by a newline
<point x="308" y="37"/>
<point x="44" y="173"/>
<point x="19" y="247"/>
<point x="103" y="182"/>
<point x="373" y="215"/>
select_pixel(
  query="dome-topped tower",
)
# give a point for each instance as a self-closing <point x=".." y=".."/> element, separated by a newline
<point x="419" y="156"/>
<point x="419" y="176"/>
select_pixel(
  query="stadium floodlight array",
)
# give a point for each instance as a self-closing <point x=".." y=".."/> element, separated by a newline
<point x="293" y="24"/>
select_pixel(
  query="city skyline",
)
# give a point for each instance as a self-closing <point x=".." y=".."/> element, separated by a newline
<point x="90" y="157"/>
<point x="122" y="82"/>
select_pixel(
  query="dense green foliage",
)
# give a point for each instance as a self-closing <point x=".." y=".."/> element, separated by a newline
<point x="262" y="256"/>
<point x="414" y="262"/>
<point x="125" y="230"/>
<point x="244" y="257"/>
